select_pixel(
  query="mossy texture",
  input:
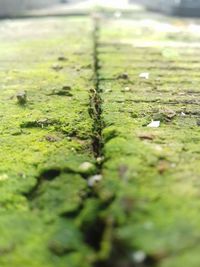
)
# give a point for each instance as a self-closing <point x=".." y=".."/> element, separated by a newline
<point x="151" y="173"/>
<point x="44" y="140"/>
<point x="58" y="133"/>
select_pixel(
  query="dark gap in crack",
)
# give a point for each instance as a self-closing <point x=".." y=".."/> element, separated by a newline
<point x="119" y="255"/>
<point x="93" y="234"/>
<point x="51" y="174"/>
<point x="46" y="175"/>
<point x="95" y="96"/>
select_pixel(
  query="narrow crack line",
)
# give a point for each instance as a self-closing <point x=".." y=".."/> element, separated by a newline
<point x="95" y="112"/>
<point x="46" y="175"/>
<point x="158" y="101"/>
<point x="95" y="96"/>
<point x="94" y="233"/>
<point x="97" y="231"/>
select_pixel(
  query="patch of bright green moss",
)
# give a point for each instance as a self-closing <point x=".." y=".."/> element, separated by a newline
<point x="151" y="174"/>
<point x="44" y="141"/>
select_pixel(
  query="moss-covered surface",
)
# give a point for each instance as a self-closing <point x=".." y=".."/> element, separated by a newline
<point x="45" y="140"/>
<point x="83" y="180"/>
<point x="152" y="174"/>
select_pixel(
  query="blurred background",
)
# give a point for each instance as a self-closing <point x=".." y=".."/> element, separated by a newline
<point x="172" y="7"/>
<point x="16" y="7"/>
<point x="20" y="7"/>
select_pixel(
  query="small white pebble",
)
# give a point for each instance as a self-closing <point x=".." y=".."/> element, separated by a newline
<point x="154" y="124"/>
<point x="144" y="75"/>
<point x="108" y="91"/>
<point x="117" y="14"/>
<point x="100" y="159"/>
<point x="139" y="256"/>
<point x="158" y="148"/>
<point x="94" y="180"/>
<point x="173" y="165"/>
<point x="183" y="114"/>
<point x="127" y="89"/>
<point x="86" y="166"/>
<point x="3" y="177"/>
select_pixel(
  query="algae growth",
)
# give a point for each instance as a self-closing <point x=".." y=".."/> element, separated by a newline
<point x="76" y="111"/>
<point x="44" y="141"/>
<point x="151" y="172"/>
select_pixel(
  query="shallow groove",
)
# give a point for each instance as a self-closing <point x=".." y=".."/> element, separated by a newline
<point x="158" y="101"/>
<point x="46" y="175"/>
<point x="93" y="232"/>
<point x="95" y="97"/>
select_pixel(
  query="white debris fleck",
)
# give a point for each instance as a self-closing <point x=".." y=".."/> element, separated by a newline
<point x="94" y="180"/>
<point x="100" y="160"/>
<point x="108" y="91"/>
<point x="173" y="165"/>
<point x="144" y="75"/>
<point x="139" y="256"/>
<point x="117" y="14"/>
<point x="158" y="148"/>
<point x="154" y="124"/>
<point x="183" y="114"/>
<point x="126" y="89"/>
<point x="86" y="167"/>
<point x="3" y="177"/>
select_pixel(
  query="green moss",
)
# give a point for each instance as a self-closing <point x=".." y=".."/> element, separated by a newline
<point x="43" y="142"/>
<point x="150" y="175"/>
<point x="110" y="133"/>
<point x="148" y="197"/>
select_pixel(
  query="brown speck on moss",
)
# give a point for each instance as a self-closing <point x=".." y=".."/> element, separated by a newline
<point x="64" y="91"/>
<point x="57" y="67"/>
<point x="62" y="58"/>
<point x="163" y="166"/>
<point x="51" y="138"/>
<point x="146" y="136"/>
<point x="22" y="97"/>
<point x="123" y="76"/>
